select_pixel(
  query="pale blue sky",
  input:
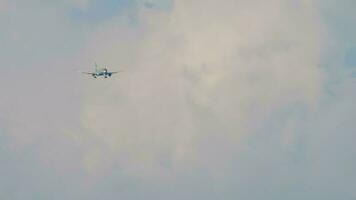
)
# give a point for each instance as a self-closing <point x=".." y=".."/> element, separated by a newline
<point x="245" y="100"/>
<point x="101" y="10"/>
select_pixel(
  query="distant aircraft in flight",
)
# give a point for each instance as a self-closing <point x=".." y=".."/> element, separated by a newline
<point x="101" y="72"/>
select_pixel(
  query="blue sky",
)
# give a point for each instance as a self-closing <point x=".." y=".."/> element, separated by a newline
<point x="101" y="10"/>
<point x="219" y="99"/>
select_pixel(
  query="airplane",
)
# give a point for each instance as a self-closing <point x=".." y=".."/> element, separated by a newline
<point x="101" y="72"/>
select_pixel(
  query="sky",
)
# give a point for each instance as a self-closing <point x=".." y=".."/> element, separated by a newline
<point x="219" y="99"/>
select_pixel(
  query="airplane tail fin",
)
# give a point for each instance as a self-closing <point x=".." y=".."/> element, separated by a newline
<point x="96" y="67"/>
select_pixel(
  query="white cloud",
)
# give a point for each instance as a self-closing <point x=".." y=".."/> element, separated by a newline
<point x="219" y="100"/>
<point x="79" y="4"/>
<point x="207" y="69"/>
<point x="6" y="6"/>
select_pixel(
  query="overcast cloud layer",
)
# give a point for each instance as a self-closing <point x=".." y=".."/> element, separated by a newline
<point x="229" y="99"/>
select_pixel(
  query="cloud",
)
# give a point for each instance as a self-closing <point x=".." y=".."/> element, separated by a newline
<point x="81" y="4"/>
<point x="6" y="6"/>
<point x="193" y="78"/>
<point x="217" y="100"/>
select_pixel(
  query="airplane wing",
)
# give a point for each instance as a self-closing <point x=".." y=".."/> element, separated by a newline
<point x="89" y="73"/>
<point x="116" y="72"/>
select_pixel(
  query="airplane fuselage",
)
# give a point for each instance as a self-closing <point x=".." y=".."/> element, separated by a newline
<point x="102" y="72"/>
